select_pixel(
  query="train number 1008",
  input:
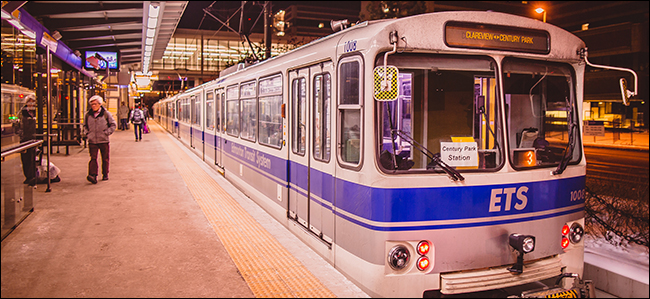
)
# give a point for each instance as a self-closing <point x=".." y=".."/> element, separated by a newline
<point x="578" y="195"/>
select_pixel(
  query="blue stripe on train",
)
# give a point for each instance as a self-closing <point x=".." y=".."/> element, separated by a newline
<point x="420" y="204"/>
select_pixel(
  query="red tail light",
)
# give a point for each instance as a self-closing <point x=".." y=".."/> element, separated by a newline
<point x="565" y="230"/>
<point x="423" y="263"/>
<point x="423" y="247"/>
<point x="565" y="242"/>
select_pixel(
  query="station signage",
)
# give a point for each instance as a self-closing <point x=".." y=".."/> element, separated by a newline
<point x="593" y="128"/>
<point x="494" y="37"/>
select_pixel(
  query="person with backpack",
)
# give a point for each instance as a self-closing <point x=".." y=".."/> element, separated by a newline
<point x="99" y="124"/>
<point x="138" y="120"/>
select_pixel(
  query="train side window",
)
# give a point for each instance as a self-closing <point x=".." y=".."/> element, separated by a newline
<point x="209" y="111"/>
<point x="248" y="111"/>
<point x="270" y="111"/>
<point x="196" y="110"/>
<point x="219" y="105"/>
<point x="299" y="115"/>
<point x="350" y="99"/>
<point x="322" y="88"/>
<point x="232" y="110"/>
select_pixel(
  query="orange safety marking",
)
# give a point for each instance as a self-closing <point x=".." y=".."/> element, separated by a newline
<point x="267" y="267"/>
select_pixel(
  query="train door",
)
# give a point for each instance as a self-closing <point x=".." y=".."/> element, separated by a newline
<point x="179" y="117"/>
<point x="219" y="97"/>
<point x="299" y="153"/>
<point x="321" y="166"/>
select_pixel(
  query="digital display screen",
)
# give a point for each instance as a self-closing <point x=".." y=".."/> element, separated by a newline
<point x="111" y="57"/>
<point x="525" y="157"/>
<point x="495" y="37"/>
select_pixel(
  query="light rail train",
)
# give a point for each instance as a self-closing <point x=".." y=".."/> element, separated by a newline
<point x="432" y="155"/>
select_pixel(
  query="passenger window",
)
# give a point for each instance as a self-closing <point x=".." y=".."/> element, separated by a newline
<point x="232" y="111"/>
<point x="248" y="112"/>
<point x="299" y="116"/>
<point x="196" y="110"/>
<point x="270" y="111"/>
<point x="350" y="111"/>
<point x="209" y="111"/>
<point x="321" y="117"/>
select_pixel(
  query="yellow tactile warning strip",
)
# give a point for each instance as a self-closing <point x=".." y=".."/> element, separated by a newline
<point x="267" y="267"/>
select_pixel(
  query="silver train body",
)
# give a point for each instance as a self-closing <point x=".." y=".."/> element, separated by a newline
<point x="479" y="164"/>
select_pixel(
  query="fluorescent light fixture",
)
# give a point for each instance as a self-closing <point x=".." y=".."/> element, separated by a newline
<point x="28" y="33"/>
<point x="147" y="54"/>
<point x="148" y="48"/>
<point x="5" y="15"/>
<point x="149" y="41"/>
<point x="152" y="22"/>
<point x="154" y="10"/>
<point x="151" y="32"/>
<point x="16" y="24"/>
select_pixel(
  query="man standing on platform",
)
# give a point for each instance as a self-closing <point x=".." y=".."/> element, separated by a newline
<point x="138" y="120"/>
<point x="98" y="126"/>
<point x="123" y="113"/>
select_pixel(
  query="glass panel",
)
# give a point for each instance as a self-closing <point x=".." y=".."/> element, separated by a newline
<point x="299" y="115"/>
<point x="219" y="105"/>
<point x="249" y="119"/>
<point x="271" y="86"/>
<point x="232" y="117"/>
<point x="321" y="117"/>
<point x="270" y="132"/>
<point x="349" y="74"/>
<point x="209" y="111"/>
<point x="351" y="135"/>
<point x="444" y="103"/>
<point x="247" y="90"/>
<point x="318" y="110"/>
<point x="540" y="102"/>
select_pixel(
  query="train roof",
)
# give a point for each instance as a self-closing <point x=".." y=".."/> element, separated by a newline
<point x="413" y="30"/>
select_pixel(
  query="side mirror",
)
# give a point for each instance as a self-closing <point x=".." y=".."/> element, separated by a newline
<point x="625" y="94"/>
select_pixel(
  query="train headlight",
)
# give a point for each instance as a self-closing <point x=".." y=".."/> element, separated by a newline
<point x="523" y="243"/>
<point x="576" y="233"/>
<point x="423" y="247"/>
<point x="398" y="257"/>
<point x="423" y="263"/>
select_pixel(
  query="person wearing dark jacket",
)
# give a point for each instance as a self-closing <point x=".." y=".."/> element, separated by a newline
<point x="99" y="124"/>
<point x="26" y="130"/>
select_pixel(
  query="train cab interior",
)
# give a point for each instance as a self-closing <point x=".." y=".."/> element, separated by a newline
<point x="448" y="109"/>
<point x="443" y="102"/>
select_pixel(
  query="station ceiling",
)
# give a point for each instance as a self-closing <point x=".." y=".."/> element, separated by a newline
<point x="107" y="25"/>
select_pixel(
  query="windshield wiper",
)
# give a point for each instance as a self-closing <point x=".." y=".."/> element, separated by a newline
<point x="435" y="158"/>
<point x="568" y="151"/>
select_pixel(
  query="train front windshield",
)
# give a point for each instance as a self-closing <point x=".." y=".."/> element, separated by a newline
<point x="449" y="109"/>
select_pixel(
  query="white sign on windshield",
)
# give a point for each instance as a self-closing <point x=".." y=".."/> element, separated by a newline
<point x="459" y="153"/>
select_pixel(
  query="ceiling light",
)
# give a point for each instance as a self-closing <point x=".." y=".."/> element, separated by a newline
<point x="154" y="10"/>
<point x="148" y="48"/>
<point x="149" y="41"/>
<point x="16" y="24"/>
<point x="5" y="15"/>
<point x="151" y="32"/>
<point x="152" y="22"/>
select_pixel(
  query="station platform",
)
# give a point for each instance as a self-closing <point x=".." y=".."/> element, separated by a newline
<point x="163" y="225"/>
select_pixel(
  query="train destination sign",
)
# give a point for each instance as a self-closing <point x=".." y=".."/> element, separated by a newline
<point x="482" y="36"/>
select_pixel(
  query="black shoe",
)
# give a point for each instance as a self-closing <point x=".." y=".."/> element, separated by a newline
<point x="92" y="179"/>
<point x="140" y="139"/>
<point x="105" y="178"/>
